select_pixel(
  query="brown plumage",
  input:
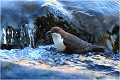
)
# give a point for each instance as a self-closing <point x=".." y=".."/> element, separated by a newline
<point x="74" y="44"/>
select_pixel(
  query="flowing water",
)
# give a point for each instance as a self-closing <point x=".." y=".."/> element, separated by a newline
<point x="106" y="63"/>
<point x="18" y="13"/>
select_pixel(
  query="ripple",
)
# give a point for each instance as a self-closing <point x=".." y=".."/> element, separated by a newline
<point x="50" y="56"/>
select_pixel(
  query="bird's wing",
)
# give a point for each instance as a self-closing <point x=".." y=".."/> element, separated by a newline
<point x="76" y="44"/>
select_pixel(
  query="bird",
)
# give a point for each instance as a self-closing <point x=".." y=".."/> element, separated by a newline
<point x="69" y="43"/>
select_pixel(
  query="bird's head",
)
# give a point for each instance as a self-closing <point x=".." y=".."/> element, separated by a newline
<point x="55" y="30"/>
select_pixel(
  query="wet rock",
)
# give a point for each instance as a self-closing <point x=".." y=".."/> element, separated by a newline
<point x="14" y="38"/>
<point x="9" y="47"/>
<point x="114" y="38"/>
<point x="45" y="23"/>
<point x="115" y="73"/>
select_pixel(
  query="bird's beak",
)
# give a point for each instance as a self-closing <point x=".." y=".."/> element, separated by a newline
<point x="48" y="32"/>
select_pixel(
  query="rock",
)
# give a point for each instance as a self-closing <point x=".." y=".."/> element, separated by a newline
<point x="9" y="47"/>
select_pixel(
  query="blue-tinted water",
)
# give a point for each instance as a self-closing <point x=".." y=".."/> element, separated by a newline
<point x="17" y="13"/>
<point x="49" y="55"/>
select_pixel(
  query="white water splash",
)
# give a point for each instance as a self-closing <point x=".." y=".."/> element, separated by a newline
<point x="12" y="38"/>
<point x="58" y="9"/>
<point x="8" y="32"/>
<point x="52" y="3"/>
<point x="31" y="31"/>
<point x="58" y="6"/>
<point x="5" y="40"/>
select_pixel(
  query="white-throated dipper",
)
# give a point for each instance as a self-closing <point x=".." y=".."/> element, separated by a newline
<point x="69" y="43"/>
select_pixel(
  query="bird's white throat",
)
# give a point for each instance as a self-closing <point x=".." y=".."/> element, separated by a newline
<point x="58" y="41"/>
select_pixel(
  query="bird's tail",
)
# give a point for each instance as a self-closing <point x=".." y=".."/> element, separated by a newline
<point x="98" y="48"/>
